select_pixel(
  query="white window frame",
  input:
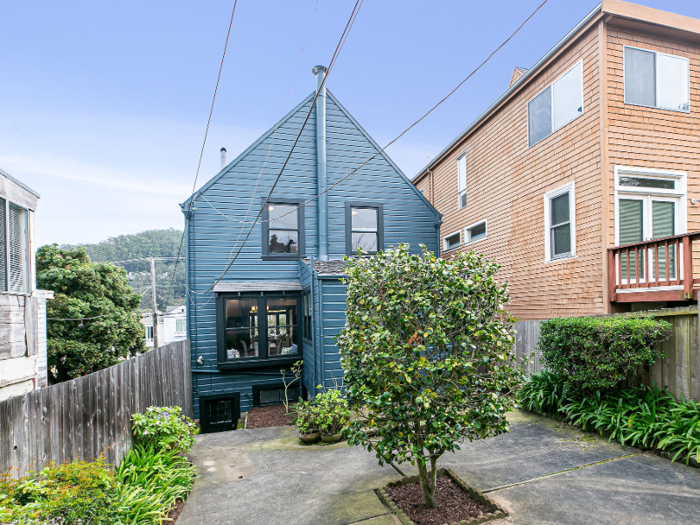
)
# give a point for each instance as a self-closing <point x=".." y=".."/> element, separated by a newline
<point x="548" y="197"/>
<point x="527" y="106"/>
<point x="28" y="267"/>
<point x="467" y="234"/>
<point x="461" y="180"/>
<point x="679" y="193"/>
<point x="656" y="79"/>
<point x="445" y="249"/>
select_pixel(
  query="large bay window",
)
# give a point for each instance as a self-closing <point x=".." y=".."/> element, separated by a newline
<point x="14" y="248"/>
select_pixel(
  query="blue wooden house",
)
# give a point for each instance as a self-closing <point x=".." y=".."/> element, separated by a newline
<point x="282" y="299"/>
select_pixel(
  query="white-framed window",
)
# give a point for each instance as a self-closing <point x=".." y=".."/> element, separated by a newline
<point x="179" y="326"/>
<point x="558" y="104"/>
<point x="656" y="80"/>
<point x="452" y="241"/>
<point x="475" y="232"/>
<point x="14" y="248"/>
<point x="560" y="223"/>
<point x="462" y="181"/>
<point x="149" y="333"/>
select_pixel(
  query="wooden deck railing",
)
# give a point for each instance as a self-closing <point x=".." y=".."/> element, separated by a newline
<point x="657" y="270"/>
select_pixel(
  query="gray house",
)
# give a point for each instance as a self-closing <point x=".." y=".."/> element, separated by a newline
<point x="281" y="300"/>
<point x="22" y="306"/>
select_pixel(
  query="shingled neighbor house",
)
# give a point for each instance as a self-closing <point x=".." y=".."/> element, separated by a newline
<point x="582" y="179"/>
<point x="281" y="300"/>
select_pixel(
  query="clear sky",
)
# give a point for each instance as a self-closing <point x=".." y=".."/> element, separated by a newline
<point x="103" y="104"/>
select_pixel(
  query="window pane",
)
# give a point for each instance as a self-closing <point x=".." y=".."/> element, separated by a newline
<point x="241" y="328"/>
<point x="663" y="225"/>
<point x="18" y="249"/>
<point x="283" y="241"/>
<point x="364" y="219"/>
<point x="462" y="173"/>
<point x="220" y="411"/>
<point x="462" y="199"/>
<point x="241" y="343"/>
<point x="477" y="232"/>
<point x="640" y="78"/>
<point x="631" y="221"/>
<point x="672" y="77"/>
<point x="367" y="241"/>
<point x="568" y="97"/>
<point x="179" y="325"/>
<point x="560" y="209"/>
<point x="275" y="212"/>
<point x="561" y="239"/>
<point x="3" y="247"/>
<point x="539" y="115"/>
<point x="452" y="241"/>
<point x="641" y="182"/>
<point x="282" y="327"/>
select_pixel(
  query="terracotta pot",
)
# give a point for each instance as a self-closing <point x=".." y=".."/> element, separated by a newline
<point x="332" y="438"/>
<point x="310" y="438"/>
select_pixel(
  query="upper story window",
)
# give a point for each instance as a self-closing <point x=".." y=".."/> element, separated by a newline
<point x="556" y="106"/>
<point x="560" y="223"/>
<point x="364" y="224"/>
<point x="462" y="181"/>
<point x="452" y="241"/>
<point x="283" y="233"/>
<point x="14" y="248"/>
<point x="656" y="80"/>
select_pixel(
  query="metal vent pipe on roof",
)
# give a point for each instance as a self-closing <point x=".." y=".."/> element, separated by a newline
<point x="320" y="72"/>
<point x="223" y="158"/>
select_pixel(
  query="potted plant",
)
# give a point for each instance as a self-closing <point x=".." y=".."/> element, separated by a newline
<point x="307" y="421"/>
<point x="333" y="413"/>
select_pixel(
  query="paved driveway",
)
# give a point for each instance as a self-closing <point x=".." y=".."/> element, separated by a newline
<point x="542" y="472"/>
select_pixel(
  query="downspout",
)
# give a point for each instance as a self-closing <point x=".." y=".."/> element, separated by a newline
<point x="321" y="179"/>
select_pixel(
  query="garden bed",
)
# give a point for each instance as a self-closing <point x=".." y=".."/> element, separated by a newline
<point x="457" y="502"/>
<point x="269" y="416"/>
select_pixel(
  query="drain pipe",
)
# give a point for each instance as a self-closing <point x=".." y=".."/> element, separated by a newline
<point x="321" y="179"/>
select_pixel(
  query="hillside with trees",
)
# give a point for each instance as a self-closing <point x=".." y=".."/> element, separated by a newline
<point x="131" y="253"/>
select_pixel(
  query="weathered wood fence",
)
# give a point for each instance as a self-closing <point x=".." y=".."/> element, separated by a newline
<point x="679" y="371"/>
<point x="90" y="415"/>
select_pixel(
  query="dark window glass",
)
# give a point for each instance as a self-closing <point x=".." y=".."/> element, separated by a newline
<point x="365" y="229"/>
<point x="220" y="411"/>
<point x="283" y="228"/>
<point x="539" y="112"/>
<point x="241" y="328"/>
<point x="640" y="77"/>
<point x="452" y="241"/>
<point x="641" y="182"/>
<point x="274" y="396"/>
<point x="561" y="226"/>
<point x="477" y="232"/>
<point x="282" y="327"/>
<point x="306" y="308"/>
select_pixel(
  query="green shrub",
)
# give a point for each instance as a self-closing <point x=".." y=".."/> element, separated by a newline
<point x="164" y="427"/>
<point x="645" y="417"/>
<point x="331" y="412"/>
<point x="597" y="354"/>
<point x="306" y="417"/>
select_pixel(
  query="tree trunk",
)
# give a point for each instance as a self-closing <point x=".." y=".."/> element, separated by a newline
<point x="427" y="481"/>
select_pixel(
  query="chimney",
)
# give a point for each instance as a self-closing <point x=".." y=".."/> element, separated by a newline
<point x="223" y="158"/>
<point x="320" y="72"/>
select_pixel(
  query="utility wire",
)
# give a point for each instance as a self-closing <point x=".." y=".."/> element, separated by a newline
<point x="433" y="108"/>
<point x="81" y="319"/>
<point x="206" y="132"/>
<point x="339" y="47"/>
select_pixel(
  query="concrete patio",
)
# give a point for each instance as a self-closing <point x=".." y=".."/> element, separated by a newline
<point x="542" y="472"/>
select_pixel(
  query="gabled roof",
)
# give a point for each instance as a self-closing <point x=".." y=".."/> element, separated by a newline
<point x="19" y="183"/>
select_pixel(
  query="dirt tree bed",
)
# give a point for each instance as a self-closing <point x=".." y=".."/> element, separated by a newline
<point x="269" y="416"/>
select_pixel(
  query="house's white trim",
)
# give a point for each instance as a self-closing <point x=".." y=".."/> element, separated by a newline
<point x="571" y="189"/>
<point x="461" y="158"/>
<point x="445" y="249"/>
<point x="467" y="240"/>
<point x="653" y="289"/>
<point x="656" y="79"/>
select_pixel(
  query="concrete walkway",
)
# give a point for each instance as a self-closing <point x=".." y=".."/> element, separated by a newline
<point x="542" y="472"/>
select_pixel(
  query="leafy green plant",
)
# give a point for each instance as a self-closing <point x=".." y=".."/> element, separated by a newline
<point x="331" y="412"/>
<point x="164" y="427"/>
<point x="544" y="392"/>
<point x="306" y="417"/>
<point x="596" y="354"/>
<point x="297" y="369"/>
<point x="427" y="356"/>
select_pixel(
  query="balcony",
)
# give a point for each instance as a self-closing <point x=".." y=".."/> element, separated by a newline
<point x="658" y="270"/>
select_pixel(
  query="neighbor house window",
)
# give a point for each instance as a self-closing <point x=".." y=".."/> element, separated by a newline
<point x="462" y="181"/>
<point x="179" y="326"/>
<point x="149" y="334"/>
<point x="656" y="80"/>
<point x="560" y="226"/>
<point x="556" y="106"/>
<point x="282" y="230"/>
<point x="475" y="232"/>
<point x="364" y="228"/>
<point x="14" y="248"/>
<point x="451" y="241"/>
<point x="258" y="327"/>
<point x="307" y="315"/>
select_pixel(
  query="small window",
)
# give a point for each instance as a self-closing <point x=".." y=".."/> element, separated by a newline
<point x="265" y="395"/>
<point x="307" y="314"/>
<point x="283" y="230"/>
<point x="149" y="334"/>
<point x="656" y="80"/>
<point x="452" y="241"/>
<point x="560" y="231"/>
<point x="556" y="106"/>
<point x="462" y="181"/>
<point x="364" y="223"/>
<point x="219" y="413"/>
<point x="476" y="232"/>
<point x="643" y="182"/>
<point x="179" y="326"/>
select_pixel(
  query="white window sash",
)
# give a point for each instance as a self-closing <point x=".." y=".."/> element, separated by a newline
<point x="548" y="197"/>
<point x="656" y="79"/>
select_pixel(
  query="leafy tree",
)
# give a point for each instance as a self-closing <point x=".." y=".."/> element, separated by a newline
<point x="427" y="356"/>
<point x="84" y="289"/>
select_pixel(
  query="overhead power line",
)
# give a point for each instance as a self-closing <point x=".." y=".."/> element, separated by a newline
<point x="433" y="108"/>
